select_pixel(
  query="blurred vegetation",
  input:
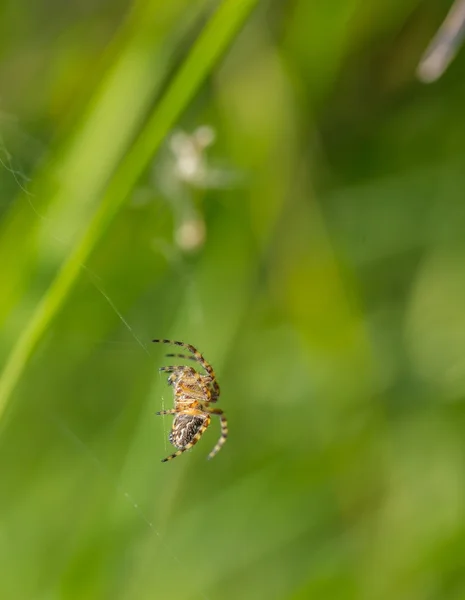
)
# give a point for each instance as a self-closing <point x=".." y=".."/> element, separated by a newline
<point x="268" y="181"/>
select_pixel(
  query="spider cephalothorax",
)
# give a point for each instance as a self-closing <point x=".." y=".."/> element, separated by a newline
<point x="193" y="395"/>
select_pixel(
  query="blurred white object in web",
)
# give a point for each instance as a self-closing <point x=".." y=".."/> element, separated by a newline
<point x="191" y="164"/>
<point x="189" y="152"/>
<point x="444" y="46"/>
<point x="186" y="167"/>
<point x="190" y="233"/>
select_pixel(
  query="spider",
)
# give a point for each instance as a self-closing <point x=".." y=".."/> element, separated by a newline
<point x="193" y="395"/>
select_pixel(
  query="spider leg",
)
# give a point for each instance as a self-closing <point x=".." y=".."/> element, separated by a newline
<point x="192" y="443"/>
<point x="172" y="411"/>
<point x="171" y="369"/>
<point x="185" y="356"/>
<point x="224" y="429"/>
<point x="188" y="347"/>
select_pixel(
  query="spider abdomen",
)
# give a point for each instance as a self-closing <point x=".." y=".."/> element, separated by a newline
<point x="185" y="428"/>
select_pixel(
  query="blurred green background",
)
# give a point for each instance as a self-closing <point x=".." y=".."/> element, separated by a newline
<point x="268" y="181"/>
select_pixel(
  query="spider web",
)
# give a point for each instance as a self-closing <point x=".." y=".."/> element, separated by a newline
<point x="174" y="257"/>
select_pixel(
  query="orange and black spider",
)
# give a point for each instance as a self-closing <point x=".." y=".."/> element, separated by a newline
<point x="193" y="395"/>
